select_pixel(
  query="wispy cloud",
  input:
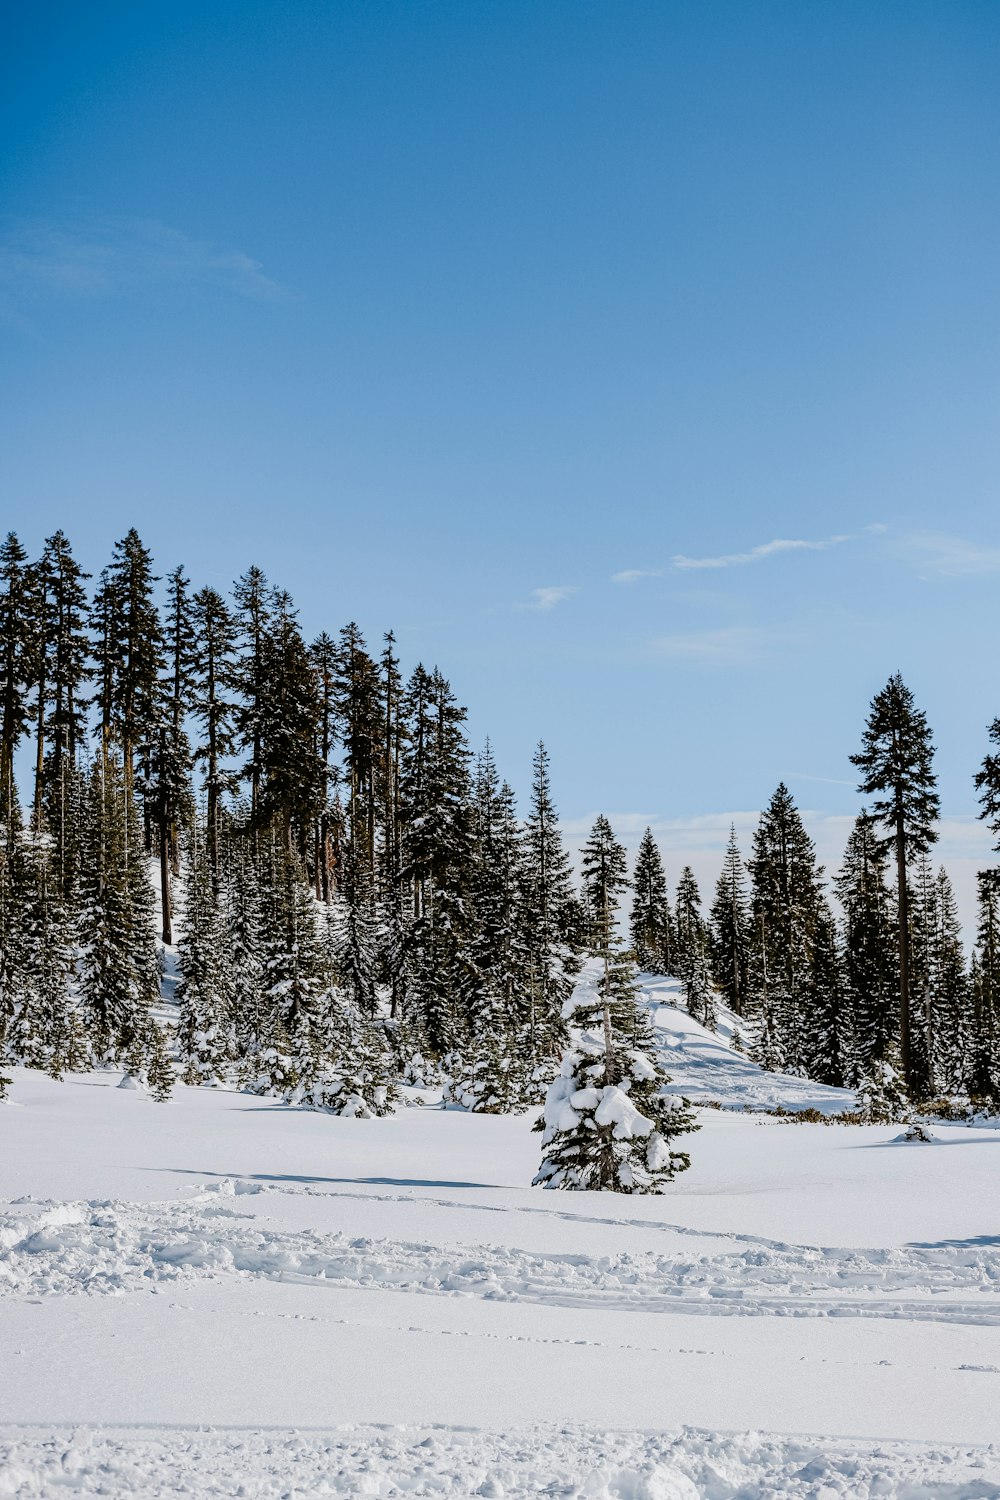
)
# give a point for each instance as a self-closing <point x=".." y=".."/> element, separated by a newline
<point x="731" y="645"/>
<point x="950" y="556"/>
<point x="774" y="548"/>
<point x="548" y="598"/>
<point x="102" y="257"/>
<point x="757" y="554"/>
<point x="632" y="575"/>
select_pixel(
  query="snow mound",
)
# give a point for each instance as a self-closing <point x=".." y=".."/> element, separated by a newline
<point x="462" y="1463"/>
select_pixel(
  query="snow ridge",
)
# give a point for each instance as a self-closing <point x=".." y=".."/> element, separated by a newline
<point x="108" y="1248"/>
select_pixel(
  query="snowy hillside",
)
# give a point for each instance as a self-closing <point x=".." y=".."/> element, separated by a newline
<point x="224" y="1291"/>
<point x="704" y="1066"/>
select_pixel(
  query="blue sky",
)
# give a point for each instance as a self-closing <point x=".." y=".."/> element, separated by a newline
<point x="637" y="363"/>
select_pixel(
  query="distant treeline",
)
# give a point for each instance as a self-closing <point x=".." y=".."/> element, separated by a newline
<point x="358" y="900"/>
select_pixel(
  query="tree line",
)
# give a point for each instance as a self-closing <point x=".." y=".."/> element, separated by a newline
<point x="360" y="902"/>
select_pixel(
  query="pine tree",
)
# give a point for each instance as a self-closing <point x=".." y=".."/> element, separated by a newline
<point x="17" y="653"/>
<point x="213" y="644"/>
<point x="651" y="923"/>
<point x="608" y="1121"/>
<point x="786" y="906"/>
<point x="137" y="658"/>
<point x="827" y="1036"/>
<point x="253" y="596"/>
<point x="434" y="793"/>
<point x="63" y="650"/>
<point x="730" y="926"/>
<point x="689" y="925"/>
<point x="869" y="948"/>
<point x="48" y="1034"/>
<point x="119" y="973"/>
<point x="205" y="1039"/>
<point x="984" y="1059"/>
<point x="546" y="914"/>
<point x="896" y="761"/>
<point x="292" y="778"/>
<point x="323" y="657"/>
<point x="952" y="1032"/>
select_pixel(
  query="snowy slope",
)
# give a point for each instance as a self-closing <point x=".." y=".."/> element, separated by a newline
<point x="704" y="1066"/>
<point x="428" y="1323"/>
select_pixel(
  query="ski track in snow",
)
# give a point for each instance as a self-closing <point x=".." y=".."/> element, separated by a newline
<point x="558" y="1461"/>
<point x="111" y="1247"/>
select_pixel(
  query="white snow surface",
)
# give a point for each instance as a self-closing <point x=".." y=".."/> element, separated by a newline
<point x="226" y="1295"/>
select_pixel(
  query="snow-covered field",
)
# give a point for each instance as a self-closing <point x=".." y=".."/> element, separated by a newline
<point x="222" y="1295"/>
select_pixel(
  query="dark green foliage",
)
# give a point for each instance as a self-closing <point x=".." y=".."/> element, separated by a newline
<point x="785" y="910"/>
<point x="652" y="925"/>
<point x="869" y="965"/>
<point x="730" y="930"/>
<point x="896" y="765"/>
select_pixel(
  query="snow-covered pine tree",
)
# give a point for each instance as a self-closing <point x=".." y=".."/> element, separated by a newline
<point x="15" y="908"/>
<point x="953" y="999"/>
<point x="547" y="915"/>
<point x="354" y="934"/>
<point x="983" y="1067"/>
<point x="729" y="929"/>
<point x="896" y="763"/>
<point x="651" y="924"/>
<point x="47" y="1034"/>
<point x="868" y="949"/>
<point x="608" y="1122"/>
<point x="498" y="1066"/>
<point x="245" y="922"/>
<point x="436" y="854"/>
<point x="295" y="1031"/>
<point x="206" y="1044"/>
<point x="119" y="968"/>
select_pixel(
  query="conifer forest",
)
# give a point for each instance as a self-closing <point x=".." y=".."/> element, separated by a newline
<point x="232" y="854"/>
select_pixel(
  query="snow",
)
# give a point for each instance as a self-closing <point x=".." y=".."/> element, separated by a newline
<point x="224" y="1291"/>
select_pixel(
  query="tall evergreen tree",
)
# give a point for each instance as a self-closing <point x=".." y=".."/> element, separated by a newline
<point x="546" y="912"/>
<point x="652" y="922"/>
<point x="689" y="924"/>
<point x="869" y="949"/>
<point x="896" y="763"/>
<point x="213" y="644"/>
<point x="434" y="794"/>
<point x="17" y="652"/>
<point x="786" y="906"/>
<point x="62" y="668"/>
<point x="984" y="1053"/>
<point x="730" y="926"/>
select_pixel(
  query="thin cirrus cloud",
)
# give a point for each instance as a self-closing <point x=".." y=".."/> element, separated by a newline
<point x="103" y="257"/>
<point x="547" y="598"/>
<point x="773" y="548"/>
<point x="757" y="554"/>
